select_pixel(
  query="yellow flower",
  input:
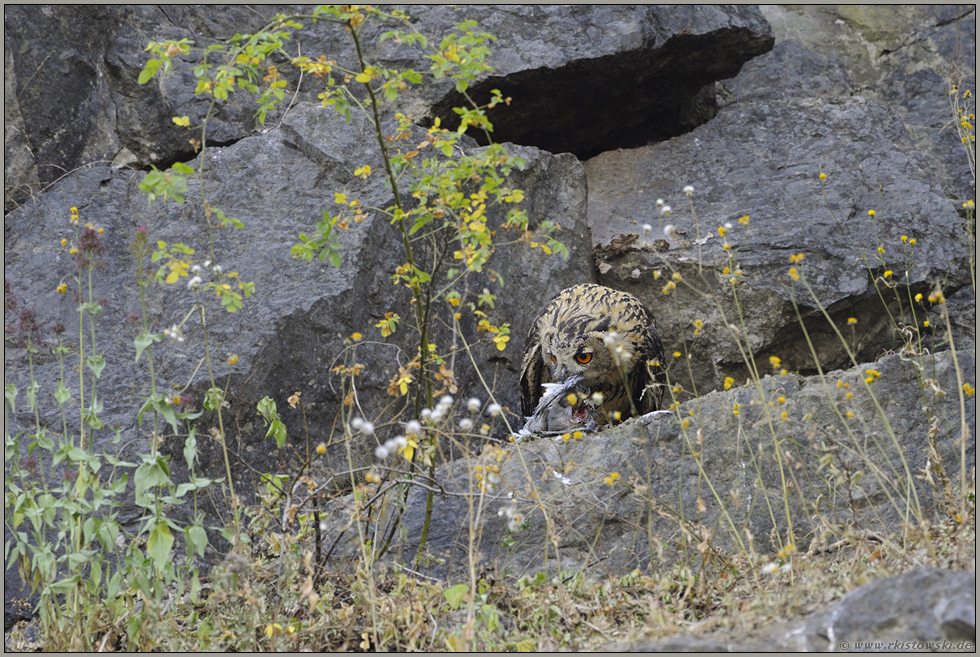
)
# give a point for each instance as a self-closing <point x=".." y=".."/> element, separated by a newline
<point x="926" y="323"/>
<point x="735" y="408"/>
<point x="63" y="288"/>
<point x="937" y="297"/>
<point x="871" y="213"/>
<point x="611" y="479"/>
<point x="101" y="230"/>
<point x="888" y="273"/>
<point x="918" y="297"/>
<point x="784" y="415"/>
<point x="321" y="448"/>
<point x="850" y="414"/>
<point x="881" y="249"/>
<point x="797" y="258"/>
<point x="744" y="220"/>
<point x="677" y="354"/>
<point x="795" y="275"/>
<point x="823" y="176"/>
<point x="64" y="242"/>
<point x="73" y="251"/>
<point x="852" y="320"/>
<point x="721" y="230"/>
<point x="912" y="242"/>
<point x="729" y="381"/>
<point x="685" y="423"/>
<point x="968" y="389"/>
<point x="233" y="359"/>
<point x="775" y="361"/>
<point x="969" y="205"/>
<point x="356" y="336"/>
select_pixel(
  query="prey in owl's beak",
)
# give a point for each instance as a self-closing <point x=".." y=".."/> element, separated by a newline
<point x="565" y="406"/>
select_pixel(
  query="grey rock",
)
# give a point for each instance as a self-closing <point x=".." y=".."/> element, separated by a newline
<point x="923" y="606"/>
<point x="922" y="610"/>
<point x="787" y="72"/>
<point x="906" y="57"/>
<point x="661" y="503"/>
<point x="762" y="159"/>
<point x="290" y="333"/>
<point x="76" y="92"/>
<point x="588" y="60"/>
<point x="622" y="76"/>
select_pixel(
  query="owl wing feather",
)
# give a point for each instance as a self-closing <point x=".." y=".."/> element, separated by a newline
<point x="646" y="383"/>
<point x="532" y="372"/>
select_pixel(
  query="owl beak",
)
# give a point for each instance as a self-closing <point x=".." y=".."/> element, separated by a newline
<point x="561" y="374"/>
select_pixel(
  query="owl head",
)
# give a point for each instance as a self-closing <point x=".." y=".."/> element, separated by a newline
<point x="585" y="346"/>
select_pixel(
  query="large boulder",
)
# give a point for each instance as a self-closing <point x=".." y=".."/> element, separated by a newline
<point x="728" y="465"/>
<point x="71" y="76"/>
<point x="588" y="60"/>
<point x="906" y="57"/>
<point x="762" y="159"/>
<point x="924" y="609"/>
<point x="291" y="332"/>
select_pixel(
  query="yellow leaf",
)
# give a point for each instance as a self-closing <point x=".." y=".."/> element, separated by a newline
<point x="363" y="78"/>
<point x="173" y="276"/>
<point x="340" y="198"/>
<point x="182" y="121"/>
<point x="546" y="249"/>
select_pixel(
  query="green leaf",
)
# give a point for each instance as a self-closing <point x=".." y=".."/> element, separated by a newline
<point x="197" y="540"/>
<point x="96" y="364"/>
<point x="454" y="595"/>
<point x="61" y="394"/>
<point x="190" y="448"/>
<point x="158" y="545"/>
<point x="144" y="340"/>
<point x="149" y="71"/>
<point x="10" y="394"/>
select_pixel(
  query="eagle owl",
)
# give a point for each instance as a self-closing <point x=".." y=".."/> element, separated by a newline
<point x="605" y="336"/>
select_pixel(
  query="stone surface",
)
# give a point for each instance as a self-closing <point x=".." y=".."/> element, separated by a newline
<point x="762" y="159"/>
<point x="75" y="92"/>
<point x="922" y="610"/>
<point x="858" y="92"/>
<point x="622" y="76"/>
<point x="90" y="57"/>
<point x="291" y="332"/>
<point x="665" y="500"/>
<point x="903" y="56"/>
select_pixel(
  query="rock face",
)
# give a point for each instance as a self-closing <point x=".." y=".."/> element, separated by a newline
<point x="584" y="81"/>
<point x="702" y="485"/>
<point x="73" y="97"/>
<point x="924" y="609"/>
<point x="762" y="159"/>
<point x="904" y="57"/>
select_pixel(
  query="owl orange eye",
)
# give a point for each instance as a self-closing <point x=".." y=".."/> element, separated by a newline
<point x="553" y="359"/>
<point x="583" y="358"/>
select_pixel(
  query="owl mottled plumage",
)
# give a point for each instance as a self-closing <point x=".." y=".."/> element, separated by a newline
<point x="607" y="336"/>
